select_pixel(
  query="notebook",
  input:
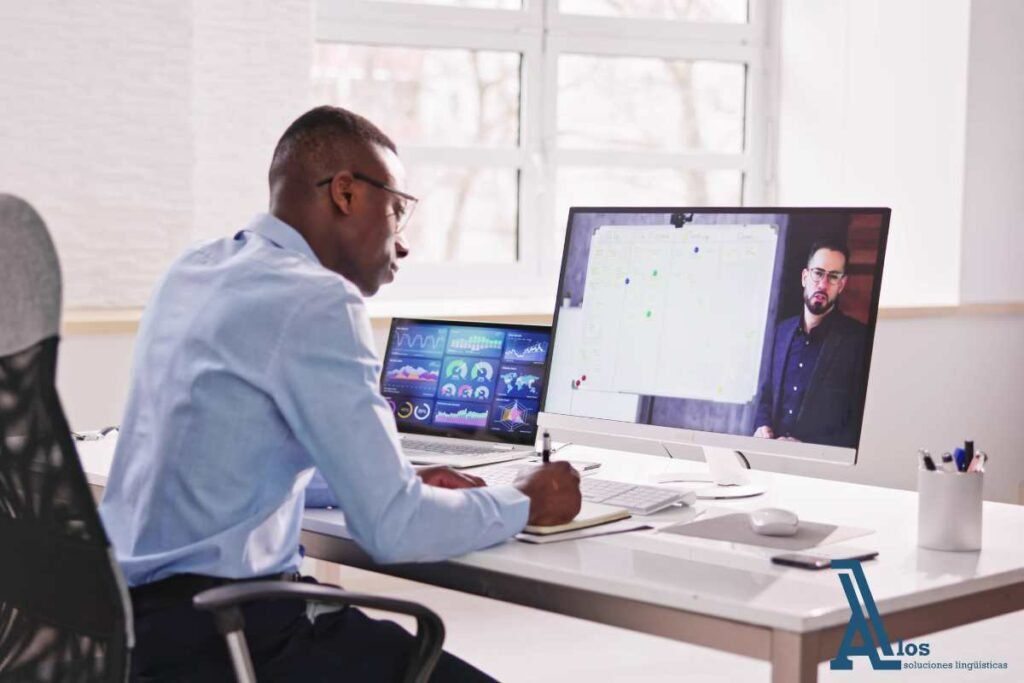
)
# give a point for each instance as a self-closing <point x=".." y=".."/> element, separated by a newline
<point x="590" y="514"/>
<point x="465" y="394"/>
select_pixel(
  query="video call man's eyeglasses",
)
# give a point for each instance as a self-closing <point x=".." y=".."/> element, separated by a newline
<point x="404" y="204"/>
<point x="834" y="276"/>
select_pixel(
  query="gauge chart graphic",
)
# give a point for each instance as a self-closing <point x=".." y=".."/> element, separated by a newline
<point x="475" y="341"/>
<point x="520" y="381"/>
<point x="455" y="369"/>
<point x="514" y="416"/>
<point x="411" y="409"/>
<point x="471" y="379"/>
<point x="483" y="371"/>
<point x="527" y="347"/>
<point x="460" y="414"/>
<point x="419" y="340"/>
<point x="415" y="376"/>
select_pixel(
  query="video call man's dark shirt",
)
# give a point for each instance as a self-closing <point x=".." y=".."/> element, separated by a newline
<point x="800" y="362"/>
<point x="814" y="389"/>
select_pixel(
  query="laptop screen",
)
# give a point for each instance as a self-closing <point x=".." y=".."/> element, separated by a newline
<point x="466" y="380"/>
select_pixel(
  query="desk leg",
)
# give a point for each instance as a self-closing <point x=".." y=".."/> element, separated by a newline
<point x="794" y="657"/>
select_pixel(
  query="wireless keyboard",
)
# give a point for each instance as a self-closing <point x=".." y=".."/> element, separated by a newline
<point x="449" y="448"/>
<point x="638" y="499"/>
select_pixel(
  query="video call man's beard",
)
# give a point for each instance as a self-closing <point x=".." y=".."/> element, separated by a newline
<point x="819" y="305"/>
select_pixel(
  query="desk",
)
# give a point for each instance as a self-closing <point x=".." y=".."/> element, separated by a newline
<point x="712" y="594"/>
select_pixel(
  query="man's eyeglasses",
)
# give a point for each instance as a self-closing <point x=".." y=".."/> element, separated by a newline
<point x="834" y="276"/>
<point x="404" y="203"/>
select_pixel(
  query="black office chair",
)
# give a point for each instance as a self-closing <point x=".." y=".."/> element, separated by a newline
<point x="63" y="609"/>
<point x="65" y="613"/>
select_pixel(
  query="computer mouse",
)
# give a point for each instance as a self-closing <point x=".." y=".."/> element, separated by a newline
<point x="774" y="522"/>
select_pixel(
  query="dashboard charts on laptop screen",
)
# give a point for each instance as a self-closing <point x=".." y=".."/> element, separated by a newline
<point x="481" y="381"/>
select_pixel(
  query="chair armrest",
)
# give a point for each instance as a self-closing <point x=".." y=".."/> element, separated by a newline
<point x="225" y="602"/>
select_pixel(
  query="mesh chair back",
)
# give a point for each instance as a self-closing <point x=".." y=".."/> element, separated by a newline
<point x="63" y="606"/>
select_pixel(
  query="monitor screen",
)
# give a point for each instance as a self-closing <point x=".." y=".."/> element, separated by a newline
<point x="479" y="380"/>
<point x="741" y="327"/>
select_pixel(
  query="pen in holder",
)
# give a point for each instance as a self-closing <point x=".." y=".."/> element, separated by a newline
<point x="949" y="509"/>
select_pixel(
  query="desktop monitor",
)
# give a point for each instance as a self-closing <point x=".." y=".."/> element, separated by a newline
<point x="682" y="331"/>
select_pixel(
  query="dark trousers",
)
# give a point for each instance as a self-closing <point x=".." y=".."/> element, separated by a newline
<point x="178" y="643"/>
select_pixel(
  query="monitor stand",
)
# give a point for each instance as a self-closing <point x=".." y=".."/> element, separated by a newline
<point x="726" y="478"/>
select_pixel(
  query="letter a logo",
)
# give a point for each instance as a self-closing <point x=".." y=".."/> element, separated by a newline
<point x="859" y="625"/>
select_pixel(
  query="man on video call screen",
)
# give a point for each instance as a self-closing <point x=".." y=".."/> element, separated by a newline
<point x="806" y="397"/>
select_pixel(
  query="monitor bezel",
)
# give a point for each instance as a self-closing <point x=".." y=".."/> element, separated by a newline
<point x="455" y="433"/>
<point x="688" y="443"/>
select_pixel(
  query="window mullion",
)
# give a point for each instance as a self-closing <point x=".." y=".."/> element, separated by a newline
<point x="541" y="34"/>
<point x="486" y="157"/>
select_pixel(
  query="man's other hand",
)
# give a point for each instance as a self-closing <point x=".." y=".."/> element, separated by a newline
<point x="765" y="432"/>
<point x="554" y="493"/>
<point x="447" y="478"/>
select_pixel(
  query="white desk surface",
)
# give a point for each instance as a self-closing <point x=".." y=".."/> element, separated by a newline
<point x="720" y="579"/>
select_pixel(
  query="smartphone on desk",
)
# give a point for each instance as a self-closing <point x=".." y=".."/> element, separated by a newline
<point x="824" y="561"/>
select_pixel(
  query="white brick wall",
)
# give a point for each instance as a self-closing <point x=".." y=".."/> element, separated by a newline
<point x="138" y="128"/>
<point x="251" y="79"/>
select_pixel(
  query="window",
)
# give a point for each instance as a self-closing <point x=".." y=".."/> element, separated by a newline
<point x="440" y="98"/>
<point x="507" y="112"/>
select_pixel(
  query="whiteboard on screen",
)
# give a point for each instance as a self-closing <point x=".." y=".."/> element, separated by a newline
<point x="677" y="312"/>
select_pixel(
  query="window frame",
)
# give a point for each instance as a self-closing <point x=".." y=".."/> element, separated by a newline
<point x="539" y="32"/>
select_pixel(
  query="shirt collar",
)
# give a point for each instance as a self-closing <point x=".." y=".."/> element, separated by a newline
<point x="822" y="328"/>
<point x="281" y="234"/>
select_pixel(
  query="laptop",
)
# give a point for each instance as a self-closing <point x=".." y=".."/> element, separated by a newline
<point x="465" y="394"/>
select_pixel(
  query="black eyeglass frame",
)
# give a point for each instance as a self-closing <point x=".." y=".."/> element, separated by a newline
<point x="834" y="277"/>
<point x="412" y="201"/>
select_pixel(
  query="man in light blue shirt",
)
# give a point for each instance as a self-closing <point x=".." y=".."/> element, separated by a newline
<point x="254" y="364"/>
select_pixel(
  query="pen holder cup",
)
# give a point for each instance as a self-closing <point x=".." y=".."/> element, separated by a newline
<point x="949" y="510"/>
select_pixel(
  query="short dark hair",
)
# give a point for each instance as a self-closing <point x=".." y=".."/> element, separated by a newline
<point x="831" y="245"/>
<point x="323" y="137"/>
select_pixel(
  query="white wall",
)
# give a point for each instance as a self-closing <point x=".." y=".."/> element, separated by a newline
<point x="919" y="105"/>
<point x="136" y="128"/>
<point x="872" y="112"/>
<point x="993" y="248"/>
<point x="252" y="63"/>
<point x="93" y="155"/>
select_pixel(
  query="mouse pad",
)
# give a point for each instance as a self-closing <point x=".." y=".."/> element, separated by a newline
<point x="735" y="528"/>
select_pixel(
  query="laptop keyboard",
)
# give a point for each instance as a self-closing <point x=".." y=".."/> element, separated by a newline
<point x="442" y="448"/>
<point x="637" y="498"/>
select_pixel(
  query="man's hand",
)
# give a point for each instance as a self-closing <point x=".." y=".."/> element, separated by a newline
<point x="765" y="432"/>
<point x="789" y="438"/>
<point x="447" y="478"/>
<point x="554" y="493"/>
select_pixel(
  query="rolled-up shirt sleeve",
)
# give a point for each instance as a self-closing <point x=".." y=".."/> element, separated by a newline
<point x="324" y="373"/>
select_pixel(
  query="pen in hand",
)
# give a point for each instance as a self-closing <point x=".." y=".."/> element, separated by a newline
<point x="545" y="446"/>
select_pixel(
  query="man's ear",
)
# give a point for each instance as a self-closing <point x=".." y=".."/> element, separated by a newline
<point x="803" y="278"/>
<point x="341" y="191"/>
